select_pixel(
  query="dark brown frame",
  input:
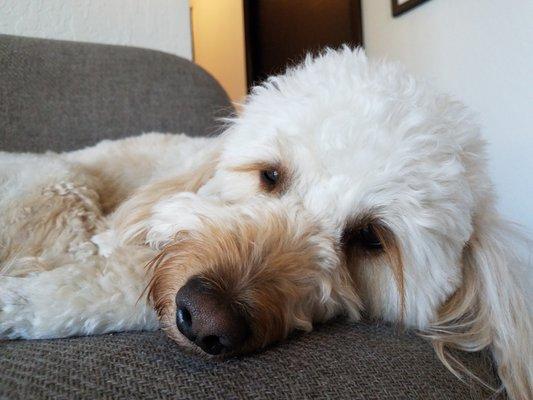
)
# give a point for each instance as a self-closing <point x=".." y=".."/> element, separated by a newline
<point x="398" y="9"/>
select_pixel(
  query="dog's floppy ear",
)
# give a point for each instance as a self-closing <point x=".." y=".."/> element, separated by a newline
<point x="490" y="308"/>
<point x="129" y="220"/>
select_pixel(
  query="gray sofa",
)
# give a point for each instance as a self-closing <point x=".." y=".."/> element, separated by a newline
<point x="64" y="95"/>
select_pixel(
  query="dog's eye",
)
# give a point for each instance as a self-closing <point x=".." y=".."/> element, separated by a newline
<point x="365" y="237"/>
<point x="270" y="178"/>
<point x="369" y="239"/>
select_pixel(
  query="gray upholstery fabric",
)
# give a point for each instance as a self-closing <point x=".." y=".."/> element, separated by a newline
<point x="337" y="361"/>
<point x="61" y="96"/>
<point x="57" y="95"/>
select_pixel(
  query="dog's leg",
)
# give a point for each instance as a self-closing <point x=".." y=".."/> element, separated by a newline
<point x="97" y="296"/>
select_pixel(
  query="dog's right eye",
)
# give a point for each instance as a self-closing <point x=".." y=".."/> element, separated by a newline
<point x="364" y="237"/>
<point x="269" y="178"/>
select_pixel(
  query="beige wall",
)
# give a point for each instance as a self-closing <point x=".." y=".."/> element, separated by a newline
<point x="218" y="42"/>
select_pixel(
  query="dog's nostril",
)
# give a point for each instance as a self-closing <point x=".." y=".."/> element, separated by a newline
<point x="212" y="345"/>
<point x="184" y="322"/>
<point x="184" y="317"/>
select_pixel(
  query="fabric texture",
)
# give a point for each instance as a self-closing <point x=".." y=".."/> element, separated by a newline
<point x="58" y="95"/>
<point x="64" y="95"/>
<point x="337" y="361"/>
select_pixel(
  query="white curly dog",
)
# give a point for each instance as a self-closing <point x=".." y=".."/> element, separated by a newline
<point x="343" y="185"/>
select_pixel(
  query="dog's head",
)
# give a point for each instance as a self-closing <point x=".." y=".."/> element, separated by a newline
<point x="391" y="169"/>
<point x="340" y="170"/>
<point x="236" y="278"/>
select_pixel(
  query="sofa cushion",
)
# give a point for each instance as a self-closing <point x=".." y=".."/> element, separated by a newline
<point x="338" y="361"/>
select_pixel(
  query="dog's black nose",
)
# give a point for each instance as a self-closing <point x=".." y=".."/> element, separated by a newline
<point x="209" y="320"/>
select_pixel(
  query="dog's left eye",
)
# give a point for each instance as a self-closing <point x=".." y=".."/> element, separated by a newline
<point x="369" y="239"/>
<point x="269" y="178"/>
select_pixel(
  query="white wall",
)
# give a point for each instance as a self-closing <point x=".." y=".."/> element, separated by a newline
<point x="481" y="51"/>
<point x="155" y="24"/>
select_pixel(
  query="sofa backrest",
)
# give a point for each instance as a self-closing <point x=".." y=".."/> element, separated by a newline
<point x="58" y="95"/>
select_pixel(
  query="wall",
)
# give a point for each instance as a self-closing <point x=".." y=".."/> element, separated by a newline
<point x="218" y="40"/>
<point x="155" y="24"/>
<point x="481" y="51"/>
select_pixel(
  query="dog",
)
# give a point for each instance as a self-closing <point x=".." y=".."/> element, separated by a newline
<point x="343" y="186"/>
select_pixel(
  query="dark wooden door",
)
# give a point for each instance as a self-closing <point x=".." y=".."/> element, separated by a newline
<point x="281" y="32"/>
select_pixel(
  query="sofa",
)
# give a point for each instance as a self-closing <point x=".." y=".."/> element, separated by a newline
<point x="57" y="95"/>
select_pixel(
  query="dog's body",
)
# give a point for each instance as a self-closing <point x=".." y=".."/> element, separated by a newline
<point x="344" y="185"/>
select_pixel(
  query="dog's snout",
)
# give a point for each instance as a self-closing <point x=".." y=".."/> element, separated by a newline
<point x="209" y="320"/>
